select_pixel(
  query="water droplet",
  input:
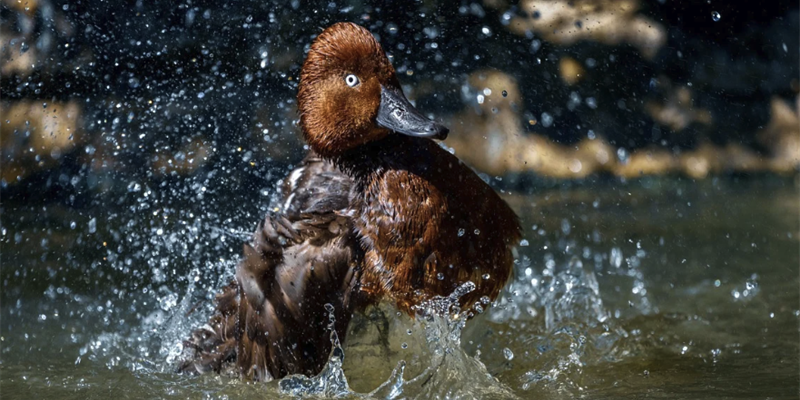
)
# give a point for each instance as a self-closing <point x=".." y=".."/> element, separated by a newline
<point x="715" y="16"/>
<point x="169" y="301"/>
<point x="404" y="345"/>
<point x="477" y="231"/>
<point x="622" y="154"/>
<point x="547" y="120"/>
<point x="565" y="226"/>
<point x="536" y="45"/>
<point x="505" y="93"/>
<point x="486" y="276"/>
<point x="440" y="276"/>
<point x="508" y="354"/>
<point x="461" y="232"/>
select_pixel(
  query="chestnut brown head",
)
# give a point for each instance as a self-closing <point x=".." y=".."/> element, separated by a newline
<point x="349" y="94"/>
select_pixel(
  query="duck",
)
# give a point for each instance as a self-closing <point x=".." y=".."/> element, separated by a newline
<point x="378" y="211"/>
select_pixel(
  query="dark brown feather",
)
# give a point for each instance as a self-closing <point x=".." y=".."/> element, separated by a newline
<point x="271" y="321"/>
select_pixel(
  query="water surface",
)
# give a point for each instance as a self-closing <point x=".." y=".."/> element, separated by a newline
<point x="664" y="288"/>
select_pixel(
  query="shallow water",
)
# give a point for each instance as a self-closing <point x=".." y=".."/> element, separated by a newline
<point x="662" y="288"/>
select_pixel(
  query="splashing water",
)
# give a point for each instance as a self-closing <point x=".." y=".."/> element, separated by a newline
<point x="573" y="294"/>
<point x="576" y="330"/>
<point x="451" y="373"/>
<point x="331" y="382"/>
<point x="109" y="314"/>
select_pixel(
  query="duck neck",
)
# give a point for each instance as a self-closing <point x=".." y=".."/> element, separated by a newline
<point x="373" y="158"/>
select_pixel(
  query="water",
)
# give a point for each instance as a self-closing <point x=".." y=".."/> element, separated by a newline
<point x="660" y="287"/>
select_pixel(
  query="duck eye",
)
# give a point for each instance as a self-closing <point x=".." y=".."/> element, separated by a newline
<point x="351" y="80"/>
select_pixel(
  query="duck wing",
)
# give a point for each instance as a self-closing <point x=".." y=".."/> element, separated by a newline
<point x="271" y="321"/>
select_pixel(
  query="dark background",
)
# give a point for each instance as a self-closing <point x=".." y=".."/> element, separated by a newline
<point x="156" y="81"/>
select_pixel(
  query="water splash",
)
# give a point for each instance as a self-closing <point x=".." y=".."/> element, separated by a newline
<point x="576" y="328"/>
<point x="747" y="291"/>
<point x="573" y="295"/>
<point x="451" y="372"/>
<point x="331" y="381"/>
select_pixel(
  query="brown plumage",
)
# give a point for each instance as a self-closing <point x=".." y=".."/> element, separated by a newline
<point x="428" y="223"/>
<point x="412" y="198"/>
<point x="376" y="211"/>
<point x="272" y="321"/>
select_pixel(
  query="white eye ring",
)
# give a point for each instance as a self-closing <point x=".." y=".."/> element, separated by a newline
<point x="351" y="80"/>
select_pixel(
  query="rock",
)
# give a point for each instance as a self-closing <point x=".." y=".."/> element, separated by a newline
<point x="35" y="135"/>
<point x="185" y="161"/>
<point x="570" y="70"/>
<point x="782" y="136"/>
<point x="611" y="22"/>
<point x="652" y="161"/>
<point x="677" y="111"/>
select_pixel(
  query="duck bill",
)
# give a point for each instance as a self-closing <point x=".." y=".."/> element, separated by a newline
<point x="397" y="114"/>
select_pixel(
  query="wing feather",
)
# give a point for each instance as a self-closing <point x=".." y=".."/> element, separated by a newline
<point x="271" y="320"/>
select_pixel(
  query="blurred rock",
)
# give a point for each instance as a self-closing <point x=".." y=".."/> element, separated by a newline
<point x="16" y="58"/>
<point x="490" y="136"/>
<point x="595" y="155"/>
<point x="570" y="70"/>
<point x="30" y="40"/>
<point x="35" y="135"/>
<point x="653" y="161"/>
<point x="738" y="158"/>
<point x="185" y="161"/>
<point x="677" y="111"/>
<point x="782" y="136"/>
<point x="702" y="161"/>
<point x="28" y="7"/>
<point x="611" y="22"/>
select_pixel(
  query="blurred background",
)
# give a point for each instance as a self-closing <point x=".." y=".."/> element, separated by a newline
<point x="152" y="91"/>
<point x="656" y="141"/>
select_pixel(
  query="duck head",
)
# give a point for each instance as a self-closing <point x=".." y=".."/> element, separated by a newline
<point x="349" y="94"/>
